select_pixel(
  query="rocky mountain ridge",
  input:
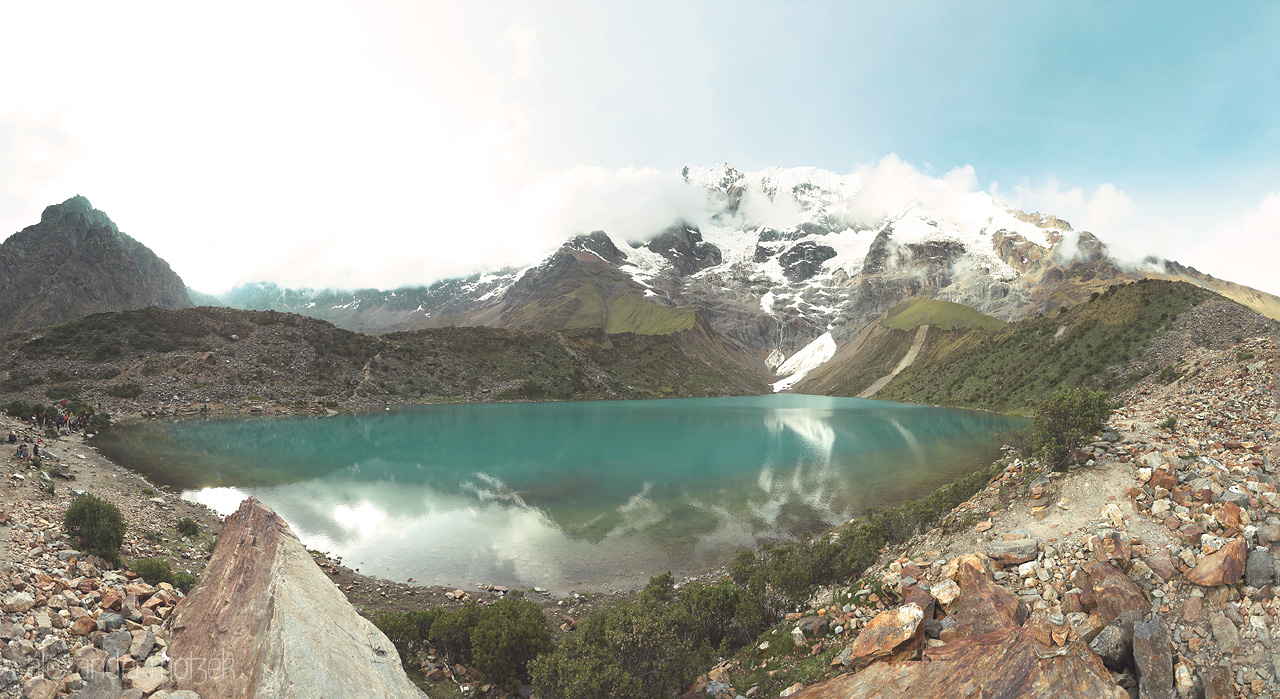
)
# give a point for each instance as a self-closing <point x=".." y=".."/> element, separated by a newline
<point x="76" y="262"/>
<point x="778" y="260"/>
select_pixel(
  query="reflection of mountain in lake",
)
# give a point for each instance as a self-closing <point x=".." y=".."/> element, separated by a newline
<point x="589" y="486"/>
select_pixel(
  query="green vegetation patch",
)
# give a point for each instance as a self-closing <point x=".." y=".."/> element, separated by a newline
<point x="913" y="313"/>
<point x="625" y="313"/>
<point x="1011" y="369"/>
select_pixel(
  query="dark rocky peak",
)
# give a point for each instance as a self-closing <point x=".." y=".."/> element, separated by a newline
<point x="76" y="262"/>
<point x="77" y="212"/>
<point x="599" y="243"/>
<point x="684" y="248"/>
<point x="804" y="260"/>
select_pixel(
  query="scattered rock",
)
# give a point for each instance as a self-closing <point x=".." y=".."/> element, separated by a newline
<point x="892" y="635"/>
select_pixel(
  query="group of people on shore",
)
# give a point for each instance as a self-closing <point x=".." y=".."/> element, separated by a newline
<point x="63" y="420"/>
<point x="28" y="446"/>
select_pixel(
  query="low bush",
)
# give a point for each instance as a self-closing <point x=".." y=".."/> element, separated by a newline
<point x="128" y="390"/>
<point x="510" y="633"/>
<point x="1065" y="421"/>
<point x="158" y="570"/>
<point x="188" y="527"/>
<point x="498" y="639"/>
<point x="98" y="524"/>
<point x="1170" y="423"/>
<point x="652" y="646"/>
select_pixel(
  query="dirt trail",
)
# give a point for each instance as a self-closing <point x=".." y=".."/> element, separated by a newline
<point x="907" y="360"/>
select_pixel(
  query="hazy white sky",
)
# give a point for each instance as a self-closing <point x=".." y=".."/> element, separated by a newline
<point x="389" y="143"/>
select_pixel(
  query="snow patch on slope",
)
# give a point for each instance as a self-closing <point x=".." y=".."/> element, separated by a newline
<point x="814" y="355"/>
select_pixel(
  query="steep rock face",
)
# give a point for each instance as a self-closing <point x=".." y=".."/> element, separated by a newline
<point x="265" y="606"/>
<point x="76" y="262"/>
<point x="782" y="256"/>
<point x="683" y="247"/>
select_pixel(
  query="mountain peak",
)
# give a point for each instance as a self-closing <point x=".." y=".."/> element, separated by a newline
<point x="76" y="262"/>
<point x="77" y="207"/>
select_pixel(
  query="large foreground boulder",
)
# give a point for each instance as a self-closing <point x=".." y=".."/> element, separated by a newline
<point x="266" y="622"/>
<point x="1000" y="665"/>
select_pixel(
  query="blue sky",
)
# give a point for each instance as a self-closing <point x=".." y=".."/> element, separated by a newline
<point x="292" y="141"/>
<point x="1154" y="95"/>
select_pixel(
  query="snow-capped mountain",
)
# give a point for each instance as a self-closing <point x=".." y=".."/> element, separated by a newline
<point x="784" y="263"/>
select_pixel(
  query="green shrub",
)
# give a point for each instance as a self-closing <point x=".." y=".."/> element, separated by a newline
<point x="1170" y="423"/>
<point x="1065" y="421"/>
<point x="98" y="524"/>
<point x="188" y="527"/>
<point x="510" y="633"/>
<point x="99" y="423"/>
<point x="451" y="633"/>
<point x="408" y="631"/>
<point x="1244" y="356"/>
<point x="128" y="390"/>
<point x="148" y="492"/>
<point x="62" y="392"/>
<point x="652" y="646"/>
<point x="158" y="570"/>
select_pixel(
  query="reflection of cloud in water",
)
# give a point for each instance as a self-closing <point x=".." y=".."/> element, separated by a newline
<point x="566" y="512"/>
<point x="813" y="428"/>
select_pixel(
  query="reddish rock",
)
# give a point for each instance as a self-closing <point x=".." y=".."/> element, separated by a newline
<point x="1113" y="592"/>
<point x="1080" y="579"/>
<point x="1191" y="534"/>
<point x="1217" y="683"/>
<point x="1191" y="610"/>
<point x="1161" y="564"/>
<point x="1161" y="478"/>
<point x="262" y="597"/>
<point x="1229" y="514"/>
<point x="984" y="607"/>
<point x="1001" y="665"/>
<point x="921" y="598"/>
<point x="84" y="626"/>
<point x="892" y="635"/>
<point x="1222" y="567"/>
<point x="1071" y="603"/>
<point x="1112" y="546"/>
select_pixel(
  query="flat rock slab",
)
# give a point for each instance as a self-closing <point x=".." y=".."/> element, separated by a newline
<point x="1222" y="567"/>
<point x="1153" y="659"/>
<point x="1002" y="665"/>
<point x="1011" y="553"/>
<point x="266" y="622"/>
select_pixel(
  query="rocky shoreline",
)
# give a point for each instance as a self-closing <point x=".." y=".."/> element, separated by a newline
<point x="1155" y="551"/>
<point x="1147" y="570"/>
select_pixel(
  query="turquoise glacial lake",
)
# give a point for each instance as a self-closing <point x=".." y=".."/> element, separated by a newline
<point x="567" y="496"/>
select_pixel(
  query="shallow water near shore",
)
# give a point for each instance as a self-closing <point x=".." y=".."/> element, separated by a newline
<point x="566" y="496"/>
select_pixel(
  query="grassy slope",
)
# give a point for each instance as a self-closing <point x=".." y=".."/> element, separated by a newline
<point x="913" y="313"/>
<point x="283" y="356"/>
<point x="877" y="354"/>
<point x="1010" y="370"/>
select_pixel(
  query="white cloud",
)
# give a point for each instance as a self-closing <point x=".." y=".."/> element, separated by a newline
<point x="1106" y="209"/>
<point x="1243" y="247"/>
